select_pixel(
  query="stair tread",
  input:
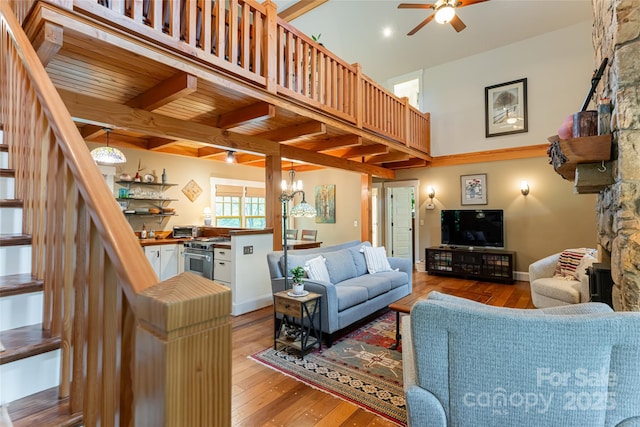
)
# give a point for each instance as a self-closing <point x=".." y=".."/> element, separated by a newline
<point x="26" y="341"/>
<point x="7" y="172"/>
<point x="17" y="284"/>
<point x="11" y="203"/>
<point x="14" y="239"/>
<point x="4" y="147"/>
<point x="43" y="409"/>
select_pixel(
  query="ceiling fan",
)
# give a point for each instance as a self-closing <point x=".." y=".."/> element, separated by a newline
<point x="445" y="12"/>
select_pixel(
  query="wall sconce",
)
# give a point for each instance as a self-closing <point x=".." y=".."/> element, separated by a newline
<point x="431" y="193"/>
<point x="524" y="187"/>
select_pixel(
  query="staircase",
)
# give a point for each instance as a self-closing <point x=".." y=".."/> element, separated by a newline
<point x="30" y="362"/>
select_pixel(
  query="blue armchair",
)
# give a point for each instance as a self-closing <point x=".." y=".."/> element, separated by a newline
<point x="469" y="364"/>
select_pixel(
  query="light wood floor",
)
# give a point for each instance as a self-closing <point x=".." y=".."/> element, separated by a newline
<point x="263" y="397"/>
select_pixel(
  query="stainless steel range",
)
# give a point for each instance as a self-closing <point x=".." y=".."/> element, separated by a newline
<point x="198" y="255"/>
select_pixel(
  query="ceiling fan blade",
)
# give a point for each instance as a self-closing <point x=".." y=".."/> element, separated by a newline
<point x="416" y="6"/>
<point x="420" y="25"/>
<point x="457" y="23"/>
<point x="463" y="3"/>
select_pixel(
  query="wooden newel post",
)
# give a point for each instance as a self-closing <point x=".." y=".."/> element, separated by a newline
<point x="182" y="373"/>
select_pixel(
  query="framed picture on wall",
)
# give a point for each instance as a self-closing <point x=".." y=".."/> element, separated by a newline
<point x="326" y="204"/>
<point x="505" y="109"/>
<point x="474" y="189"/>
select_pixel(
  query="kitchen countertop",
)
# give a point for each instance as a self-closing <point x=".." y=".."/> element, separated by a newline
<point x="164" y="241"/>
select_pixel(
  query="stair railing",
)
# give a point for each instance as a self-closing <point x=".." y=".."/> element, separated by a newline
<point x="134" y="351"/>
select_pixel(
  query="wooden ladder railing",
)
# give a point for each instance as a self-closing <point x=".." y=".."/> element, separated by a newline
<point x="134" y="351"/>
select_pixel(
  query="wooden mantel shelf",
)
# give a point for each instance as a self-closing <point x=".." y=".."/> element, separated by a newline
<point x="566" y="154"/>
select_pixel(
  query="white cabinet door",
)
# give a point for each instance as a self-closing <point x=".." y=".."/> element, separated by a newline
<point x="169" y="260"/>
<point x="153" y="254"/>
<point x="180" y="257"/>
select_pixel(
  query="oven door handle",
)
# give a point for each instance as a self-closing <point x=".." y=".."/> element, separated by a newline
<point x="191" y="254"/>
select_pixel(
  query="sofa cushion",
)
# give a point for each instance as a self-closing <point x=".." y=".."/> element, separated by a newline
<point x="340" y="265"/>
<point x="358" y="259"/>
<point x="294" y="261"/>
<point x="348" y="296"/>
<point x="374" y="284"/>
<point x="548" y="286"/>
<point x="396" y="278"/>
<point x="316" y="269"/>
<point x="376" y="259"/>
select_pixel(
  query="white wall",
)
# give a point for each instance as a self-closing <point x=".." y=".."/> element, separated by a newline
<point x="558" y="67"/>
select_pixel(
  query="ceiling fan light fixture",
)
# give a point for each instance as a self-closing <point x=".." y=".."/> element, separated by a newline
<point x="445" y="13"/>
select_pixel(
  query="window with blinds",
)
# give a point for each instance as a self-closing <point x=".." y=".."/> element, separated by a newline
<point x="239" y="204"/>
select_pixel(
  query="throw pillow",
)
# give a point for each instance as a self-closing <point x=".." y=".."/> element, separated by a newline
<point x="317" y="270"/>
<point x="568" y="263"/>
<point x="376" y="259"/>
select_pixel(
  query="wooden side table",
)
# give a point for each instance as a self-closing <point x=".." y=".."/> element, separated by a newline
<point x="302" y="335"/>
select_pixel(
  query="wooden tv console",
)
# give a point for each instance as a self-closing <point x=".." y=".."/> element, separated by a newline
<point x="493" y="265"/>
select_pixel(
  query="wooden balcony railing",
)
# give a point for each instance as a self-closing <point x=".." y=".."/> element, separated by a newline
<point x="133" y="351"/>
<point x="248" y="39"/>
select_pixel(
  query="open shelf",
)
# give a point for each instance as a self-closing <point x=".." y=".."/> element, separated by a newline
<point x="566" y="154"/>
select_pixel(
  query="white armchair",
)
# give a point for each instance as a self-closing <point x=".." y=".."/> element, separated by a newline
<point x="548" y="290"/>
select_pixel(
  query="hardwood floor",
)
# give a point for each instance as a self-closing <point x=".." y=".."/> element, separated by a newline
<point x="264" y="397"/>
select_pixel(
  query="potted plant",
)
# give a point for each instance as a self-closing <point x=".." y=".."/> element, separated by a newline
<point x="297" y="281"/>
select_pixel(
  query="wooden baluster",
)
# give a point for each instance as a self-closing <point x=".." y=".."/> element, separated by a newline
<point x="271" y="47"/>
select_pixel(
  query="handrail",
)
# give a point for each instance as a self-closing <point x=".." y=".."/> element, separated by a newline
<point x="253" y="43"/>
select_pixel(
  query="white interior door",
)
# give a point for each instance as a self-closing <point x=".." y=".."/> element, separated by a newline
<point x="399" y="222"/>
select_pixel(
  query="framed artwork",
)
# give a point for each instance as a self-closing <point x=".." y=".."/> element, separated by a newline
<point x="474" y="189"/>
<point x="505" y="108"/>
<point x="192" y="190"/>
<point x="326" y="204"/>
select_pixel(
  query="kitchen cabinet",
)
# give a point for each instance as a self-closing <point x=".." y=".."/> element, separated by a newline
<point x="223" y="266"/>
<point x="164" y="259"/>
<point x="145" y="199"/>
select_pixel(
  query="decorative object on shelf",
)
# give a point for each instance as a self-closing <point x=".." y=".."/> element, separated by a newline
<point x="524" y="187"/>
<point x="164" y="176"/>
<point x="326" y="204"/>
<point x="125" y="177"/>
<point x="474" y="189"/>
<point x="107" y="154"/>
<point x="143" y="232"/>
<point x="303" y="209"/>
<point x="192" y="190"/>
<point x="149" y="178"/>
<point x="506" y="108"/>
<point x="138" y="178"/>
<point x="297" y="281"/>
<point x="585" y="123"/>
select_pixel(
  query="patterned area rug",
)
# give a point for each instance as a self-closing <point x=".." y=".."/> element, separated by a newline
<point x="359" y="368"/>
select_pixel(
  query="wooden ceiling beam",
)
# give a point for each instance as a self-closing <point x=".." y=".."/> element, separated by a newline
<point x="91" y="132"/>
<point x="363" y="150"/>
<point x="157" y="144"/>
<point x="175" y="87"/>
<point x="246" y="115"/>
<point x="412" y="163"/>
<point x="291" y="133"/>
<point x="389" y="157"/>
<point x="289" y="152"/>
<point x="205" y="152"/>
<point x="110" y="114"/>
<point x="48" y="41"/>
<point x="300" y="8"/>
<point x="329" y="144"/>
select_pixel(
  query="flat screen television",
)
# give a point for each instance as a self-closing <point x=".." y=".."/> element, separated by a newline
<point x="472" y="227"/>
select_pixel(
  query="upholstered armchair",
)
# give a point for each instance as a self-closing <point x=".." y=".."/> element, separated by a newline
<point x="469" y="364"/>
<point x="561" y="278"/>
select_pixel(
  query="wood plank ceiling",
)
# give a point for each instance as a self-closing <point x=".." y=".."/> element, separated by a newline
<point x="152" y="100"/>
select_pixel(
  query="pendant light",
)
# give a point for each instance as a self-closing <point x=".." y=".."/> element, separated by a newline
<point x="106" y="154"/>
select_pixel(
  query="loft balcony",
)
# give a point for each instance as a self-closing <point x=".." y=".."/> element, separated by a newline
<point x="197" y="78"/>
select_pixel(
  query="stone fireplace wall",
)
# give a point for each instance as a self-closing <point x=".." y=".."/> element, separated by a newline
<point x="616" y="35"/>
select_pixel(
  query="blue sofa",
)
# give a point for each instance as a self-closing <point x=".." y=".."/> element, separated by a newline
<point x="469" y="364"/>
<point x="352" y="293"/>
